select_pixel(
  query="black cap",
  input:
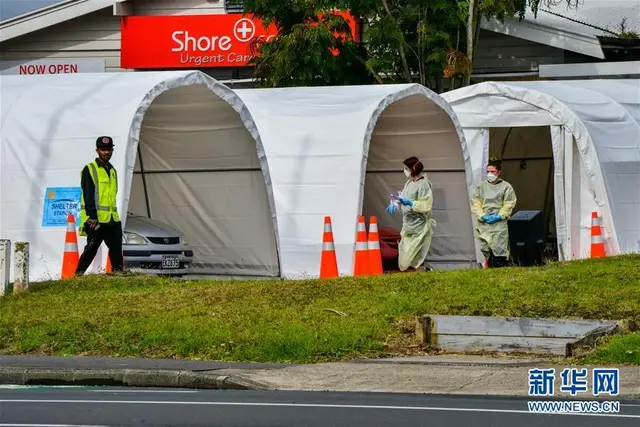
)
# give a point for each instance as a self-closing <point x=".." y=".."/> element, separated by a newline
<point x="104" y="142"/>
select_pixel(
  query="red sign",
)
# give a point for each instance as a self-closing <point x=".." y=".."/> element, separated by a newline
<point x="194" y="41"/>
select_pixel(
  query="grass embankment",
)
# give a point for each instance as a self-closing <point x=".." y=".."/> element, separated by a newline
<point x="301" y="321"/>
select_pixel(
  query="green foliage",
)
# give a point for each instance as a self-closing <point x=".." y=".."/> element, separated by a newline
<point x="404" y="40"/>
<point x="304" y="52"/>
<point x="300" y="321"/>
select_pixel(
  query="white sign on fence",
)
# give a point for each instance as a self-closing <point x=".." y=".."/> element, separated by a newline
<point x="52" y="66"/>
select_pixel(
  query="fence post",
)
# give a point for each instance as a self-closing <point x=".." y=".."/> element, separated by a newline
<point x="5" y="266"/>
<point x="21" y="267"/>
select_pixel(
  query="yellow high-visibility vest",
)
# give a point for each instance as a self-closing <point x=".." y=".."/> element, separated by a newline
<point x="106" y="190"/>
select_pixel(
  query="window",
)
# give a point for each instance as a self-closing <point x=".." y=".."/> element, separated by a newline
<point x="234" y="6"/>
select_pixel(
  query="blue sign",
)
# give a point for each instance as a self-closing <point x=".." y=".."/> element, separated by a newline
<point x="60" y="202"/>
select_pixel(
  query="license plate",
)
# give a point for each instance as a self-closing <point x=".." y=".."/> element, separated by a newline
<point x="170" y="262"/>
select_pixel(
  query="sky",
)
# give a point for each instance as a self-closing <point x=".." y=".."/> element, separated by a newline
<point x="11" y="8"/>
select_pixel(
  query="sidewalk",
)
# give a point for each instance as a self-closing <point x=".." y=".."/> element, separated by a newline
<point x="431" y="375"/>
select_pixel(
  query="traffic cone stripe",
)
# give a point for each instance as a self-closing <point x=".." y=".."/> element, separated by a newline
<point x="373" y="227"/>
<point x="70" y="247"/>
<point x="328" y="246"/>
<point x="327" y="228"/>
<point x="362" y="227"/>
<point x="361" y="246"/>
<point x="373" y="245"/>
<point x="597" y="239"/>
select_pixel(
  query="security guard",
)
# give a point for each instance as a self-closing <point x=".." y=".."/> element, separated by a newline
<point x="99" y="219"/>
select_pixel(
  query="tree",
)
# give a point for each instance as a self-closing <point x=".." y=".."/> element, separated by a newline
<point x="499" y="9"/>
<point x="311" y="48"/>
<point x="404" y="40"/>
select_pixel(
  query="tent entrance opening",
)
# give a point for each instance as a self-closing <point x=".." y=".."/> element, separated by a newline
<point x="417" y="126"/>
<point x="527" y="164"/>
<point x="197" y="170"/>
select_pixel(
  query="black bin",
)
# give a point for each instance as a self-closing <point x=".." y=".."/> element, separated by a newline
<point x="526" y="238"/>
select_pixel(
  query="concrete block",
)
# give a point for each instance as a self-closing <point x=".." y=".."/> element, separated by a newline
<point x="156" y="378"/>
<point x="15" y="376"/>
<point x="21" y="267"/>
<point x="38" y="376"/>
<point x="190" y="379"/>
<point x="237" y="382"/>
<point x="99" y="377"/>
<point x="506" y="334"/>
<point x="5" y="266"/>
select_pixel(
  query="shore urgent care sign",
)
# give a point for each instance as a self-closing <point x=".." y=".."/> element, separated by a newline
<point x="188" y="41"/>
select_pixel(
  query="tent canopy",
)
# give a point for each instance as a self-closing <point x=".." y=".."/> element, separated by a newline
<point x="338" y="152"/>
<point x="191" y="134"/>
<point x="247" y="179"/>
<point x="596" y="148"/>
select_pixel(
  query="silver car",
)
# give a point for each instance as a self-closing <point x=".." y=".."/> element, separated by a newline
<point x="153" y="247"/>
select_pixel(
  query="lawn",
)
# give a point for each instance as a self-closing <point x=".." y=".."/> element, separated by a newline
<point x="304" y="321"/>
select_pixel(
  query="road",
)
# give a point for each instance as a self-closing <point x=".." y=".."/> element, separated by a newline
<point x="87" y="406"/>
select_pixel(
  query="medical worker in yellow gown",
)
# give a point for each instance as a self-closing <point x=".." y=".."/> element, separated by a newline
<point x="492" y="204"/>
<point x="416" y="203"/>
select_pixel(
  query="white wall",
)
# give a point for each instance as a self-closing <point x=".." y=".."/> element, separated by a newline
<point x="178" y="7"/>
<point x="96" y="35"/>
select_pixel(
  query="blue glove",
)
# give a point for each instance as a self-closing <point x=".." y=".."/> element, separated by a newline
<point x="485" y="218"/>
<point x="493" y="219"/>
<point x="406" y="202"/>
<point x="391" y="208"/>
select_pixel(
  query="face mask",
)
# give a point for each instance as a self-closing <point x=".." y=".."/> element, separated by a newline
<point x="407" y="173"/>
<point x="491" y="177"/>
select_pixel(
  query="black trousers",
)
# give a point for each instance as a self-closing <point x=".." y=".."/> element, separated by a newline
<point x="497" y="261"/>
<point x="111" y="234"/>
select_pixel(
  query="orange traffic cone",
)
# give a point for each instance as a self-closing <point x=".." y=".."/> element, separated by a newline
<point x="328" y="260"/>
<point x="361" y="256"/>
<point x="107" y="268"/>
<point x="373" y="247"/>
<point x="70" y="257"/>
<point x="597" y="240"/>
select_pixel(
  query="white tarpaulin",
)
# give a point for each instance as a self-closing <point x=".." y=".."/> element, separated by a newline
<point x="338" y="151"/>
<point x="197" y="143"/>
<point x="250" y="199"/>
<point x="594" y="145"/>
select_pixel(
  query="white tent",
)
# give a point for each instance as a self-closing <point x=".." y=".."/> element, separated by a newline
<point x="568" y="147"/>
<point x="197" y="144"/>
<point x="339" y="151"/>
<point x="189" y="153"/>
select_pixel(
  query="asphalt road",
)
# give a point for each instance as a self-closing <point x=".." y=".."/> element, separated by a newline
<point x="71" y="407"/>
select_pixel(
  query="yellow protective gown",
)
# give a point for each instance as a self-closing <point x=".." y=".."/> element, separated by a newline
<point x="417" y="224"/>
<point x="493" y="199"/>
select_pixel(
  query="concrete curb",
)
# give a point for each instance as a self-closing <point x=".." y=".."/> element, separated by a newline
<point x="126" y="378"/>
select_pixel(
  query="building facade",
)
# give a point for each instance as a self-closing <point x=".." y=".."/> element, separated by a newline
<point x="214" y="37"/>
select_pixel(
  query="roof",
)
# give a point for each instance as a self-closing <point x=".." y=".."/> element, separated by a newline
<point x="48" y="16"/>
<point x="573" y="29"/>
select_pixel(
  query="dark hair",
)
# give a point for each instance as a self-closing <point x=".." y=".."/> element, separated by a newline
<point x="415" y="165"/>
<point x="496" y="163"/>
